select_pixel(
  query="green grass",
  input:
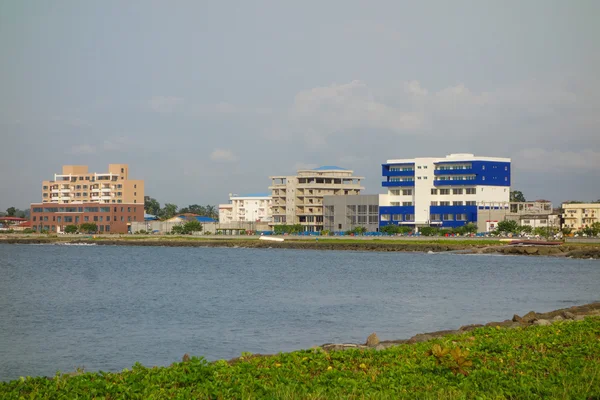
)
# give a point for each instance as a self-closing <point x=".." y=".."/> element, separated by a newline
<point x="561" y="361"/>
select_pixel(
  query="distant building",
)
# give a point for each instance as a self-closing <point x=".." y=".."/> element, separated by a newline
<point x="246" y="208"/>
<point x="110" y="218"/>
<point x="77" y="185"/>
<point x="344" y="213"/>
<point x="578" y="216"/>
<point x="299" y="199"/>
<point x="442" y="192"/>
<point x="537" y="214"/>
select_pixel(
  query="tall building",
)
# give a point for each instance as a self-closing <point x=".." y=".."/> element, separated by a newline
<point x="443" y="192"/>
<point x="251" y="208"/>
<point x="77" y="185"/>
<point x="299" y="199"/>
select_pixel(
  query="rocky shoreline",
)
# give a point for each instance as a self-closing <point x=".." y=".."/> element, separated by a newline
<point x="565" y="250"/>
<point x="575" y="313"/>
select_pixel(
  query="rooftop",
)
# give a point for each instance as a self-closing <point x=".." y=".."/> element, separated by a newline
<point x="329" y="168"/>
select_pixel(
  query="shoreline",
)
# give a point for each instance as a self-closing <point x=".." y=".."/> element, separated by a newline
<point x="433" y="245"/>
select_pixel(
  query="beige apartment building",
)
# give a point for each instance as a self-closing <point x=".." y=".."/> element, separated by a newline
<point x="580" y="215"/>
<point x="77" y="185"/>
<point x="299" y="199"/>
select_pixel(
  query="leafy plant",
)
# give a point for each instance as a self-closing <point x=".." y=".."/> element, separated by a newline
<point x="456" y="361"/>
<point x="71" y="229"/>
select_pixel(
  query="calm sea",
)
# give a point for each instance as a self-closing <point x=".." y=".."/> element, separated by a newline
<point x="106" y="307"/>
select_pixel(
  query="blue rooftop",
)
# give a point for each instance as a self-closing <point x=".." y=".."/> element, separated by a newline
<point x="329" y="168"/>
<point x="205" y="219"/>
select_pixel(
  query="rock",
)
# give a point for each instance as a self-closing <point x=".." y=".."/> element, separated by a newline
<point x="466" y="328"/>
<point x="380" y="347"/>
<point x="579" y="318"/>
<point x="516" y="318"/>
<point x="542" y="322"/>
<point x="568" y="315"/>
<point x="372" y="340"/>
<point x="558" y="318"/>
<point x="186" y="358"/>
<point x="529" y="317"/>
<point x="421" y="337"/>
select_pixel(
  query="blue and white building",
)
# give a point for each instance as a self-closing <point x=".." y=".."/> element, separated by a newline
<point x="443" y="192"/>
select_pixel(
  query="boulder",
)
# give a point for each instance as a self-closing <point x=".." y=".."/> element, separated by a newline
<point x="568" y="315"/>
<point x="516" y="318"/>
<point x="558" y="318"/>
<point x="529" y="317"/>
<point x="542" y="322"/>
<point x="372" y="340"/>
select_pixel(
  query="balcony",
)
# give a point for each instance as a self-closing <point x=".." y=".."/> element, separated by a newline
<point x="398" y="184"/>
<point x="454" y="171"/>
<point x="398" y="173"/>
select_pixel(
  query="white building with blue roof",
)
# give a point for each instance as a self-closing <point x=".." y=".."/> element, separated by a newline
<point x="299" y="199"/>
<point x="252" y="207"/>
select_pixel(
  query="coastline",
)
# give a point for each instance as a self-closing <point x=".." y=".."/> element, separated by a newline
<point x="425" y="245"/>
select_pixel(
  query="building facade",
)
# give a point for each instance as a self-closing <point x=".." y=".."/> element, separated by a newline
<point x="251" y="208"/>
<point x="443" y="192"/>
<point x="344" y="213"/>
<point x="537" y="214"/>
<point x="578" y="216"/>
<point x="299" y="199"/>
<point x="109" y="218"/>
<point x="77" y="185"/>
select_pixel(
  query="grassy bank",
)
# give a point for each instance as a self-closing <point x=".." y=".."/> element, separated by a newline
<point x="557" y="361"/>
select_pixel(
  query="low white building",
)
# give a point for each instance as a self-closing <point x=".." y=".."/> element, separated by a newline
<point x="251" y="207"/>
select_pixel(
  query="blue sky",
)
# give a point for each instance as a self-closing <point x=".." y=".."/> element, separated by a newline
<point x="203" y="99"/>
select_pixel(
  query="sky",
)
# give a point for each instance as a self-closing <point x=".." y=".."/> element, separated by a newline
<point x="203" y="99"/>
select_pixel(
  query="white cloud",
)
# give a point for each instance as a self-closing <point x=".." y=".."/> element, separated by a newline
<point x="165" y="104"/>
<point x="121" y="143"/>
<point x="223" y="155"/>
<point x="83" y="149"/>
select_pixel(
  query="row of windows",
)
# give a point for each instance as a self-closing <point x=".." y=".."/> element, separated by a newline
<point x="398" y="169"/>
<point x="454" y="191"/>
<point x="404" y="203"/>
<point x="454" y="167"/>
<point x="454" y="203"/>
<point x="79" y="187"/>
<point x="433" y="217"/>
<point x="52" y="228"/>
<point x="86" y="218"/>
<point x="402" y="179"/>
<point x="80" y="209"/>
<point x="457" y="178"/>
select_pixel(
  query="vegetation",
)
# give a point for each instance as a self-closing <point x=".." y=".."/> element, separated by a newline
<point x="508" y="226"/>
<point x="358" y="230"/>
<point x="88" y="227"/>
<point x="152" y="206"/>
<point x="281" y="229"/>
<point x="517" y="195"/>
<point x="15" y="212"/>
<point x="557" y="361"/>
<point x="592" y="230"/>
<point x="187" y="229"/>
<point x="395" y="229"/>
<point x="71" y="229"/>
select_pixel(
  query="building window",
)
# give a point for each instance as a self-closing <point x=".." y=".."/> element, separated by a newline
<point x="457" y="203"/>
<point x="135" y="186"/>
<point x="129" y="219"/>
<point x="409" y="217"/>
<point x="107" y="228"/>
<point x="444" y="191"/>
<point x="448" y="217"/>
<point x="444" y="203"/>
<point x="434" y="203"/>
<point x="122" y="170"/>
<point x="407" y="192"/>
<point x="385" y="217"/>
<point x="397" y="217"/>
<point x="461" y="217"/>
<point x="407" y="203"/>
<point x="95" y="218"/>
<point x="86" y="218"/>
<point x="135" y="194"/>
<point x="373" y="209"/>
<point x="434" y="191"/>
<point x="435" y="217"/>
<point x="470" y="190"/>
<point x="457" y="191"/>
<point x="122" y="219"/>
<point x="471" y="203"/>
<point x="34" y="218"/>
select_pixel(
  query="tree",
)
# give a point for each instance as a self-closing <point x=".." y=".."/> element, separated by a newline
<point x="88" y="227"/>
<point x="71" y="229"/>
<point x="192" y="226"/>
<point x="526" y="229"/>
<point x="151" y="206"/>
<point x="10" y="211"/>
<point x="517" y="195"/>
<point x="508" y="226"/>
<point x="168" y="211"/>
<point x="211" y="211"/>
